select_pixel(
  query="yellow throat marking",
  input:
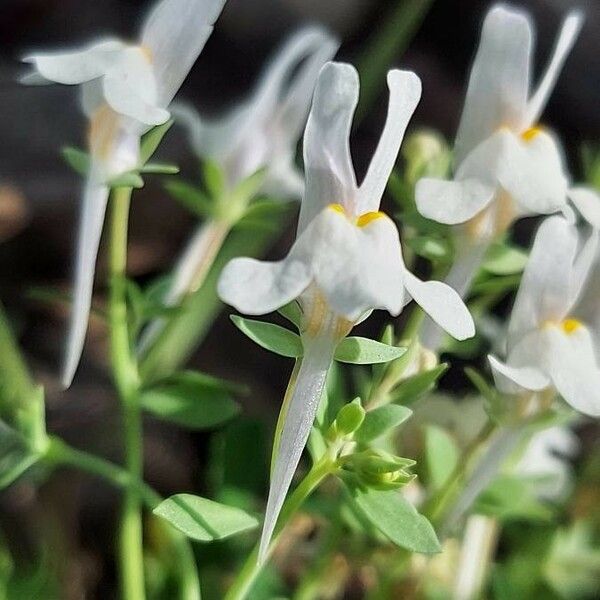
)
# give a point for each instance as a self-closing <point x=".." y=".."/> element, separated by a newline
<point x="570" y="326"/>
<point x="361" y="221"/>
<point x="530" y="134"/>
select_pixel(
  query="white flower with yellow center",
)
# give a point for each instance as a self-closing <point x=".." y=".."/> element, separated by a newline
<point x="346" y="260"/>
<point x="506" y="165"/>
<point x="547" y="347"/>
<point x="126" y="89"/>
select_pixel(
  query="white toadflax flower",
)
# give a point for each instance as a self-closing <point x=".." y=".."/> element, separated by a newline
<point x="346" y="260"/>
<point x="125" y="89"/>
<point x="547" y="347"/>
<point x="261" y="133"/>
<point x="506" y="165"/>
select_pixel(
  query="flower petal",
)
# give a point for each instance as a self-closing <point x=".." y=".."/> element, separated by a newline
<point x="296" y="429"/>
<point x="405" y="93"/>
<point x="582" y="267"/>
<point x="130" y="89"/>
<point x="568" y="35"/>
<point x="72" y="68"/>
<point x="533" y="173"/>
<point x="175" y="34"/>
<point x="95" y="199"/>
<point x="330" y="175"/>
<point x="544" y="294"/>
<point x="452" y="202"/>
<point x="572" y="366"/>
<point x="443" y="305"/>
<point x="499" y="81"/>
<point x="513" y="380"/>
<point x="587" y="202"/>
<point x="256" y="287"/>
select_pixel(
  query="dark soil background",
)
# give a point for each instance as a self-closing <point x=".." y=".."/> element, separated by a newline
<point x="39" y="203"/>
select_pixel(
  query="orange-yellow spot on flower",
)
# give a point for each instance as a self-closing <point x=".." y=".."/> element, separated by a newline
<point x="147" y="52"/>
<point x="530" y="134"/>
<point x="369" y="217"/>
<point x="104" y="126"/>
<point x="337" y="208"/>
<point x="570" y="326"/>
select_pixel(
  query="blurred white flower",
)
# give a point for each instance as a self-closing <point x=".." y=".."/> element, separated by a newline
<point x="346" y="260"/>
<point x="506" y="165"/>
<point x="263" y="132"/>
<point x="125" y="90"/>
<point x="546" y="346"/>
<point x="546" y="458"/>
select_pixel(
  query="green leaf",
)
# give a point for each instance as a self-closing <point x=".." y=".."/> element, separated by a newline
<point x="15" y="455"/>
<point x="190" y="197"/>
<point x="192" y="400"/>
<point x="364" y="351"/>
<point x="431" y="248"/>
<point x="485" y="389"/>
<point x="214" y="178"/>
<point x="380" y="420"/>
<point x="502" y="259"/>
<point x="202" y="519"/>
<point x="127" y="180"/>
<point x="270" y="336"/>
<point x="397" y="519"/>
<point x="412" y="388"/>
<point x="442" y="455"/>
<point x="511" y="497"/>
<point x="160" y="169"/>
<point x="496" y="285"/>
<point x="77" y="159"/>
<point x="292" y="313"/>
<point x="151" y="141"/>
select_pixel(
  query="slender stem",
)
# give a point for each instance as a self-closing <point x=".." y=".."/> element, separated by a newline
<point x="127" y="382"/>
<point x="251" y="570"/>
<point x="59" y="453"/>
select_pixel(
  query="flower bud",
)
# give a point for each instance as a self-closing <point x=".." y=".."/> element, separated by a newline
<point x="350" y="417"/>
<point x="427" y="155"/>
<point x="382" y="471"/>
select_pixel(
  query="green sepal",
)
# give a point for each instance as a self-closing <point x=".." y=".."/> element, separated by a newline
<point x="151" y="141"/>
<point x="77" y="159"/>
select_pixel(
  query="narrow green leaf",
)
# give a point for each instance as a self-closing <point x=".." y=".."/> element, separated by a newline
<point x="190" y="197"/>
<point x="433" y="249"/>
<point x="270" y="336"/>
<point x="247" y="189"/>
<point x="412" y="388"/>
<point x="292" y="313"/>
<point x="192" y="400"/>
<point x="202" y="519"/>
<point x="214" y="178"/>
<point x="380" y="420"/>
<point x="502" y="259"/>
<point x="151" y="141"/>
<point x="442" y="455"/>
<point x="15" y="455"/>
<point x="363" y="351"/>
<point x="484" y="388"/>
<point x="160" y="169"/>
<point x="397" y="519"/>
<point x="131" y="179"/>
<point x="77" y="159"/>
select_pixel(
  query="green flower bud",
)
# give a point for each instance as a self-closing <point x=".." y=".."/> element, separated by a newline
<point x="350" y="417"/>
<point x="427" y="155"/>
<point x="382" y="471"/>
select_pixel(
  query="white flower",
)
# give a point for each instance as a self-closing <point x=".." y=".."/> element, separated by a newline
<point x="506" y="165"/>
<point x="547" y="459"/>
<point x="263" y="132"/>
<point x="547" y="346"/>
<point x="125" y="90"/>
<point x="346" y="260"/>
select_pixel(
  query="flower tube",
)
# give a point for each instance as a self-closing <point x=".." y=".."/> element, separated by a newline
<point x="125" y="90"/>
<point x="547" y="347"/>
<point x="346" y="261"/>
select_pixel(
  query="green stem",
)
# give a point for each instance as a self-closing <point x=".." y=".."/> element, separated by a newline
<point x="251" y="570"/>
<point x="127" y="383"/>
<point x="59" y="453"/>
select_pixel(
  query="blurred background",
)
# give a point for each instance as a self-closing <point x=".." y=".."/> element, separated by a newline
<point x="39" y="202"/>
